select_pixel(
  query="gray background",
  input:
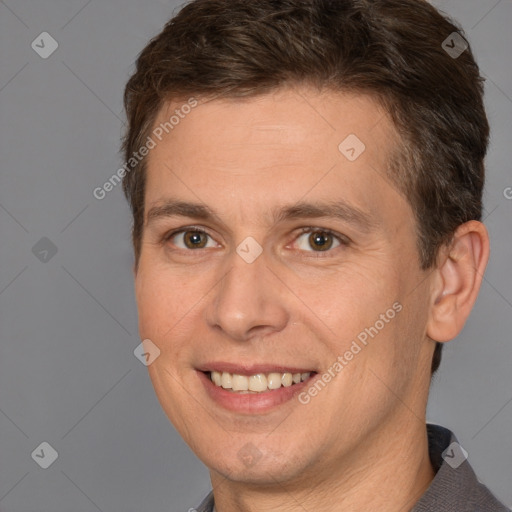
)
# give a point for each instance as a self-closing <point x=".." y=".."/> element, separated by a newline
<point x="68" y="325"/>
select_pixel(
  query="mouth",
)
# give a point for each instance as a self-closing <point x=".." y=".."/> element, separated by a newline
<point x="254" y="390"/>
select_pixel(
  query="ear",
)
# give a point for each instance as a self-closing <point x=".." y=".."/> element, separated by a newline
<point x="457" y="279"/>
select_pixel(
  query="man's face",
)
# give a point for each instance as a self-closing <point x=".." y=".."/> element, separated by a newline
<point x="256" y="294"/>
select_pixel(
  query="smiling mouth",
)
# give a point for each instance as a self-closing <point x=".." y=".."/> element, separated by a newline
<point x="257" y="383"/>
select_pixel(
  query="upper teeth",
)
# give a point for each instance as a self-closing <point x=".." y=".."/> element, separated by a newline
<point x="258" y="382"/>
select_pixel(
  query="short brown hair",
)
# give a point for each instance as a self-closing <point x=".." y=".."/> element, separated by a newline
<point x="390" y="49"/>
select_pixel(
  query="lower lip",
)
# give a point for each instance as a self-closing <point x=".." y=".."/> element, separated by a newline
<point x="251" y="403"/>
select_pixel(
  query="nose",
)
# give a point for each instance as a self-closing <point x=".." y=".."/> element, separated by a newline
<point x="249" y="301"/>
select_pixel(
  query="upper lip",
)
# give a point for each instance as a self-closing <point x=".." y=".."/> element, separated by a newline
<point x="251" y="369"/>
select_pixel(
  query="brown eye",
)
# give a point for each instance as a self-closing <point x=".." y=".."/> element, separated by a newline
<point x="195" y="239"/>
<point x="189" y="239"/>
<point x="319" y="240"/>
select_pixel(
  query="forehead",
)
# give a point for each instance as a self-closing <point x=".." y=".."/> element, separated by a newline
<point x="290" y="143"/>
<point x="285" y="117"/>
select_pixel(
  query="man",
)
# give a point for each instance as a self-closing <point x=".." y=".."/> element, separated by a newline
<point x="306" y="191"/>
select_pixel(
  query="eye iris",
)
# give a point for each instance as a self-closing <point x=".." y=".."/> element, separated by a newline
<point x="193" y="239"/>
<point x="318" y="238"/>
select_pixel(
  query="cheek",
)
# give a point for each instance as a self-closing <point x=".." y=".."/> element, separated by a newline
<point x="156" y="299"/>
<point x="353" y="298"/>
<point x="168" y="306"/>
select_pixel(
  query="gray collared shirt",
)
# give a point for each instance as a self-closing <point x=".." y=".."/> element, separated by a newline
<point x="455" y="487"/>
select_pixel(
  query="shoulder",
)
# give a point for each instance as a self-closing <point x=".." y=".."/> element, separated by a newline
<point x="455" y="486"/>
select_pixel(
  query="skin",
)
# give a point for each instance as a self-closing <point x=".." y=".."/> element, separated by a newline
<point x="360" y="443"/>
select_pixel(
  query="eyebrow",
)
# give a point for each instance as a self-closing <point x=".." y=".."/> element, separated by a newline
<point x="339" y="209"/>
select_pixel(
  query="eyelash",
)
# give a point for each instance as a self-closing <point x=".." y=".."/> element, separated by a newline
<point x="343" y="240"/>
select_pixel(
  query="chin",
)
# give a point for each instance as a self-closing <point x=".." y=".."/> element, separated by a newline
<point x="250" y="465"/>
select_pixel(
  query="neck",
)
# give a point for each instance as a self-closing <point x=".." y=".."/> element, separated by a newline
<point x="389" y="473"/>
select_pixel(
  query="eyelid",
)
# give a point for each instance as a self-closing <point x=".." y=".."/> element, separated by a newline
<point x="167" y="236"/>
<point x="342" y="239"/>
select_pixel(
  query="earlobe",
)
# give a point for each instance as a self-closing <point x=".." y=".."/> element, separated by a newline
<point x="457" y="280"/>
